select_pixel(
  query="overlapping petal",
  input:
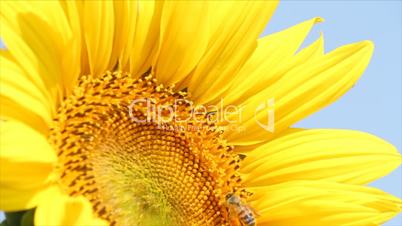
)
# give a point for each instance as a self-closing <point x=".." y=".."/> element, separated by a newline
<point x="125" y="23"/>
<point x="321" y="154"/>
<point x="17" y="199"/>
<point x="20" y="99"/>
<point x="41" y="52"/>
<point x="74" y="211"/>
<point x="316" y="203"/>
<point x="273" y="56"/>
<point x="97" y="21"/>
<point x="301" y="91"/>
<point x="26" y="169"/>
<point x="234" y="28"/>
<point x="146" y="37"/>
<point x="182" y="42"/>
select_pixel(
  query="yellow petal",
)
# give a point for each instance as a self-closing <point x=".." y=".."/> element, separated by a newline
<point x="301" y="91"/>
<point x="245" y="149"/>
<point x="272" y="53"/>
<point x="183" y="39"/>
<point x="27" y="163"/>
<point x="234" y="27"/>
<point x="98" y="29"/>
<point x="46" y="54"/>
<point x="321" y="154"/>
<point x="61" y="209"/>
<point x="125" y="13"/>
<point x="323" y="203"/>
<point x="146" y="37"/>
<point x="18" y="91"/>
<point x="12" y="199"/>
<point x="27" y="159"/>
<point x="72" y="54"/>
<point x="10" y="110"/>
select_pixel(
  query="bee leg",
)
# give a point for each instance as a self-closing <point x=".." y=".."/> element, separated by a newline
<point x="233" y="219"/>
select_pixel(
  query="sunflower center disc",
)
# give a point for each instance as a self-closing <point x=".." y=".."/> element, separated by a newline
<point x="137" y="171"/>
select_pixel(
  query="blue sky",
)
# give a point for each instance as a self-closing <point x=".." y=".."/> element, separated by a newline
<point x="374" y="104"/>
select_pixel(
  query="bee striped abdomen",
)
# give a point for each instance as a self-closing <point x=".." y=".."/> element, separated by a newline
<point x="249" y="220"/>
<point x="242" y="211"/>
<point x="247" y="217"/>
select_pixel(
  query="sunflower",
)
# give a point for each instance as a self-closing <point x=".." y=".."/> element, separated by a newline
<point x="155" y="113"/>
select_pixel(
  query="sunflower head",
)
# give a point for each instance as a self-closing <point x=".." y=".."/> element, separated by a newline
<point x="131" y="168"/>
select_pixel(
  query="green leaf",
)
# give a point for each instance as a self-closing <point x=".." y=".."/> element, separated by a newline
<point x="19" y="218"/>
<point x="4" y="223"/>
<point x="28" y="218"/>
<point x="14" y="218"/>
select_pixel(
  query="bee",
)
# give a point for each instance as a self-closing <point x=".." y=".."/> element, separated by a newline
<point x="239" y="211"/>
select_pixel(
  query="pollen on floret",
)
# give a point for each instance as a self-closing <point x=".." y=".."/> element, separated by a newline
<point x="134" y="170"/>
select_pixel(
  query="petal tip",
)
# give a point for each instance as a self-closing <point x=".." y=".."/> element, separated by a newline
<point x="367" y="45"/>
<point x="318" y="19"/>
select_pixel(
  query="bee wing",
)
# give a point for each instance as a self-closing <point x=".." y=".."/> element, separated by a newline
<point x="255" y="212"/>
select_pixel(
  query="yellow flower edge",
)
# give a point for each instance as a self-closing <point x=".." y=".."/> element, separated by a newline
<point x="59" y="54"/>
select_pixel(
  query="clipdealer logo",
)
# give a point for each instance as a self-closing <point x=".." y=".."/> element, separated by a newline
<point x="229" y="115"/>
<point x="268" y="108"/>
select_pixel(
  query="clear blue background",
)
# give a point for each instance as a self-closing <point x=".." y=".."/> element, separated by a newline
<point x="374" y="104"/>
